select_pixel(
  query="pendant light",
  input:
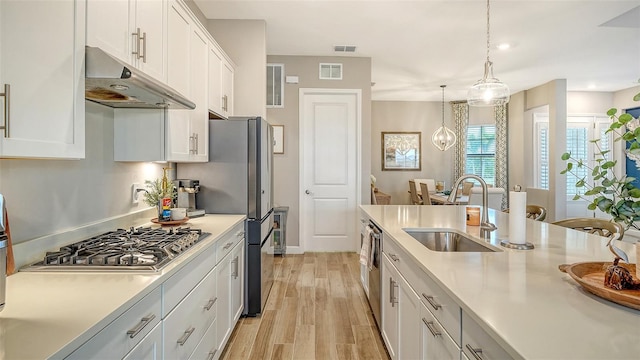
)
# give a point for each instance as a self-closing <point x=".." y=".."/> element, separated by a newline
<point x="443" y="138"/>
<point x="489" y="91"/>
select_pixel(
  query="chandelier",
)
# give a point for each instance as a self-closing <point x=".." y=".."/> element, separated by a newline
<point x="488" y="91"/>
<point x="443" y="138"/>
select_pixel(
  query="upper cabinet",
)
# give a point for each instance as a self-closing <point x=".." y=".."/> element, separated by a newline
<point x="42" y="79"/>
<point x="221" y="74"/>
<point x="134" y="31"/>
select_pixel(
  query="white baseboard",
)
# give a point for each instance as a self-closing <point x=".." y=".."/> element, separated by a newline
<point x="297" y="250"/>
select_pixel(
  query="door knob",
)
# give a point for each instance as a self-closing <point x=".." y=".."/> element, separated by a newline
<point x="307" y="192"/>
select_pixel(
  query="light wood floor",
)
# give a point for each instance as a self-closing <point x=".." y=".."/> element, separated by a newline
<point x="317" y="309"/>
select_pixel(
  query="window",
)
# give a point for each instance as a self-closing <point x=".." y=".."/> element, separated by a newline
<point x="481" y="152"/>
<point x="330" y="71"/>
<point x="275" y="85"/>
<point x="580" y="131"/>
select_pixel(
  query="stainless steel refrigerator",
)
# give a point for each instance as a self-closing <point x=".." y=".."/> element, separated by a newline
<point x="238" y="179"/>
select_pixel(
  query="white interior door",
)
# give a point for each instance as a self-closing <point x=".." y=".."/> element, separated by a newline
<point x="329" y="123"/>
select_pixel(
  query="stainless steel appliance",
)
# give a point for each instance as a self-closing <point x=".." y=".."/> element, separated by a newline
<point x="187" y="190"/>
<point x="374" y="273"/>
<point x="238" y="180"/>
<point x="3" y="254"/>
<point x="111" y="82"/>
<point x="143" y="248"/>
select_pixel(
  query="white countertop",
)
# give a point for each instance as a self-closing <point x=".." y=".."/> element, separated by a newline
<point x="519" y="296"/>
<point x="49" y="314"/>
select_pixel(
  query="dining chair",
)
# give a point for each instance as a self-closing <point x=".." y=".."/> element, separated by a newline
<point x="535" y="212"/>
<point x="595" y="226"/>
<point x="495" y="197"/>
<point x="415" y="199"/>
<point x="426" y="198"/>
<point x="374" y="200"/>
<point x="431" y="183"/>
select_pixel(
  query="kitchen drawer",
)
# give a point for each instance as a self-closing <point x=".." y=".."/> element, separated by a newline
<point x="149" y="348"/>
<point x="206" y="349"/>
<point x="181" y="283"/>
<point x="188" y="322"/>
<point x="474" y="337"/>
<point x="229" y="240"/>
<point x="443" y="307"/>
<point x="125" y="332"/>
<point x="435" y="342"/>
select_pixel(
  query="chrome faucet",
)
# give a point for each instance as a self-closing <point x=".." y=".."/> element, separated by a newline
<point x="484" y="222"/>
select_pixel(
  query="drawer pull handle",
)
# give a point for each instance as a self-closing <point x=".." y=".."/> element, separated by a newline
<point x="239" y="234"/>
<point x="210" y="304"/>
<point x="394" y="257"/>
<point x="431" y="301"/>
<point x="212" y="354"/>
<point x="227" y="245"/>
<point x="476" y="352"/>
<point x="143" y="322"/>
<point x="185" y="337"/>
<point x="431" y="326"/>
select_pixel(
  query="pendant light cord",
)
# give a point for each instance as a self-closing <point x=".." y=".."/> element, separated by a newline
<point x="443" y="86"/>
<point x="488" y="36"/>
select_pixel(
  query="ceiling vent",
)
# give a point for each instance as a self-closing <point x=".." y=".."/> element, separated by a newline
<point x="344" y="48"/>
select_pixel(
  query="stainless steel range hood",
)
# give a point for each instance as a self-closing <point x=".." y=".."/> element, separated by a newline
<point x="114" y="83"/>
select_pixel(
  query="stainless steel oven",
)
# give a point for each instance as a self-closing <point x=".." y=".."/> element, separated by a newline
<point x="374" y="272"/>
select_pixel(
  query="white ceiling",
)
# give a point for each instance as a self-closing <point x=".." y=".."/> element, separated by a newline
<point x="415" y="46"/>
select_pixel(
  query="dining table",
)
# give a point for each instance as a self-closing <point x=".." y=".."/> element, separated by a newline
<point x="442" y="199"/>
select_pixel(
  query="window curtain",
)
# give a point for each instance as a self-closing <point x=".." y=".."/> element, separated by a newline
<point x="461" y="121"/>
<point x="502" y="147"/>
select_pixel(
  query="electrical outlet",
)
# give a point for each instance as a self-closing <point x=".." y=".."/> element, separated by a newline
<point x="136" y="189"/>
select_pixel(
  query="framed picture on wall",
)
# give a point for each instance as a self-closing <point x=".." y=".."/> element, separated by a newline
<point x="401" y="151"/>
<point x="278" y="139"/>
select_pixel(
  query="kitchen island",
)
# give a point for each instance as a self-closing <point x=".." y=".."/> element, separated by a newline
<point x="50" y="314"/>
<point x="519" y="297"/>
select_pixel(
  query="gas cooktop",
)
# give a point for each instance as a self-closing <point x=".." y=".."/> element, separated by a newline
<point x="142" y="248"/>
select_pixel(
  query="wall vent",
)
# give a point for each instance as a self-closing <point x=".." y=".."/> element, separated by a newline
<point x="330" y="71"/>
<point x="344" y="48"/>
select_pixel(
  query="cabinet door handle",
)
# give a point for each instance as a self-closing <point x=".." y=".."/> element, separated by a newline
<point x="212" y="354"/>
<point x="394" y="257"/>
<point x="431" y="301"/>
<point x="393" y="299"/>
<point x="143" y="38"/>
<point x="141" y="325"/>
<point x="476" y="352"/>
<point x="136" y="40"/>
<point x="6" y="94"/>
<point x="183" y="339"/>
<point x="195" y="150"/>
<point x="210" y="304"/>
<point x="235" y="268"/>
<point x="432" y="328"/>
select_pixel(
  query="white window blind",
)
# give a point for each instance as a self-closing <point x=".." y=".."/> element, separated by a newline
<point x="541" y="158"/>
<point x="481" y="152"/>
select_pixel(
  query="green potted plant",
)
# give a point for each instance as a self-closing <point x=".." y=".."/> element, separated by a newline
<point x="155" y="191"/>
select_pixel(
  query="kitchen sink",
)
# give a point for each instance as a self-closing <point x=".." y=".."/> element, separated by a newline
<point x="448" y="241"/>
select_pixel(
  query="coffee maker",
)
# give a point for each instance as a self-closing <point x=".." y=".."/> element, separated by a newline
<point x="187" y="190"/>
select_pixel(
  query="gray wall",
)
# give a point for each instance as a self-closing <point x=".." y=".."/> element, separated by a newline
<point x="356" y="75"/>
<point x="51" y="196"/>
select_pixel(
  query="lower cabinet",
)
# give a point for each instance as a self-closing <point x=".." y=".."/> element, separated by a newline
<point x="190" y="316"/>
<point x="477" y="344"/>
<point x="400" y="325"/>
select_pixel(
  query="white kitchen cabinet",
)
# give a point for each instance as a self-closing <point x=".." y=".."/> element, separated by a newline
<point x="435" y="341"/>
<point x="221" y="76"/>
<point x="123" y="334"/>
<point x="188" y="131"/>
<point x="389" y="299"/>
<point x="477" y="343"/>
<point x="133" y="31"/>
<point x="237" y="283"/>
<point x="42" y="46"/>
